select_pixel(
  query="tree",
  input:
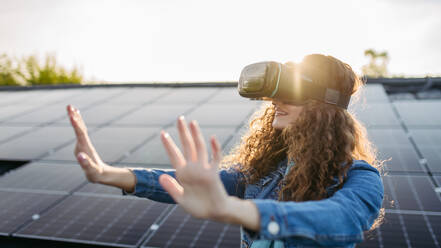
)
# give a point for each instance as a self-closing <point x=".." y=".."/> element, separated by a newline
<point x="377" y="66"/>
<point x="28" y="71"/>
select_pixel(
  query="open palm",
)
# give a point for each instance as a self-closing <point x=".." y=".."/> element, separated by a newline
<point x="198" y="188"/>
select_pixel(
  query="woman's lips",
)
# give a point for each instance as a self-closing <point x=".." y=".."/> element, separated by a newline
<point x="278" y="113"/>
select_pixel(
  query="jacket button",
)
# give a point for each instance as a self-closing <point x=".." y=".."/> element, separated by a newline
<point x="273" y="228"/>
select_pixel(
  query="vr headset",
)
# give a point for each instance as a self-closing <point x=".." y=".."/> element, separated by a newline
<point x="285" y="82"/>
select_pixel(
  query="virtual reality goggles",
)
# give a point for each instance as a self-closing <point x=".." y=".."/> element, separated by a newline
<point x="272" y="80"/>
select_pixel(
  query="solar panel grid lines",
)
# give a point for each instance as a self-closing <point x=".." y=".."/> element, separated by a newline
<point x="153" y="151"/>
<point x="43" y="177"/>
<point x="394" y="143"/>
<point x="30" y="108"/>
<point x="18" y="208"/>
<point x="422" y="159"/>
<point x="420" y="205"/>
<point x="412" y="193"/>
<point x="95" y="118"/>
<point x="412" y="175"/>
<point x="119" y="221"/>
<point x="94" y="189"/>
<point x="419" y="114"/>
<point x="111" y="142"/>
<point x="410" y="232"/>
<point x="179" y="229"/>
<point x="427" y="142"/>
<point x="375" y="115"/>
<point x="36" y="144"/>
<point x="12" y="132"/>
<point x="140" y="96"/>
<point x="43" y="114"/>
<point x="180" y="95"/>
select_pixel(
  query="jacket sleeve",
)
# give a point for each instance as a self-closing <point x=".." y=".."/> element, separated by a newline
<point x="147" y="183"/>
<point x="335" y="221"/>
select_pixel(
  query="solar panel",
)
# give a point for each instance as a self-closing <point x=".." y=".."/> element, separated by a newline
<point x="179" y="229"/>
<point x="411" y="193"/>
<point x="110" y="142"/>
<point x="236" y="139"/>
<point x="98" y="189"/>
<point x="10" y="131"/>
<point x="187" y="95"/>
<point x="221" y="115"/>
<point x="43" y="176"/>
<point x="231" y="96"/>
<point x="428" y="142"/>
<point x="37" y="143"/>
<point x="12" y="97"/>
<point x="92" y="96"/>
<point x="393" y="143"/>
<point x="7" y="113"/>
<point x="18" y="208"/>
<point x="438" y="180"/>
<point x="373" y="93"/>
<point x="139" y="96"/>
<point x="96" y="220"/>
<point x="420" y="113"/>
<point x="153" y="152"/>
<point x="100" y="215"/>
<point x="375" y="115"/>
<point x="100" y="114"/>
<point x="158" y="115"/>
<point x="405" y="230"/>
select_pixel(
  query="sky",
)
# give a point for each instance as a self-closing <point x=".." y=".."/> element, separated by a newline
<point x="197" y="40"/>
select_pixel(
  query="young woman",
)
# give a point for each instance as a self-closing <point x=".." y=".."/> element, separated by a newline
<point x="304" y="175"/>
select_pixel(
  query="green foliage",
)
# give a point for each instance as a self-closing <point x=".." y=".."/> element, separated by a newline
<point x="377" y="66"/>
<point x="8" y="74"/>
<point x="28" y="71"/>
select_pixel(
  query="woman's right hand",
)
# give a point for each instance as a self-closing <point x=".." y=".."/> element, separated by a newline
<point x="84" y="151"/>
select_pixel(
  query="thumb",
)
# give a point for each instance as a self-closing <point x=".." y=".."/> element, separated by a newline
<point x="172" y="187"/>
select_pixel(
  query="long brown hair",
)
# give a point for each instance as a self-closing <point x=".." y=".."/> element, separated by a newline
<point x="322" y="139"/>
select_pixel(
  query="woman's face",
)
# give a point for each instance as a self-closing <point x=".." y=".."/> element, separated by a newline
<point x="285" y="114"/>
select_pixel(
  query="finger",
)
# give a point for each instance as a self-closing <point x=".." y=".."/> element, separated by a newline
<point x="186" y="140"/>
<point x="216" y="150"/>
<point x="201" y="149"/>
<point x="170" y="184"/>
<point x="173" y="152"/>
<point x="78" y="124"/>
<point x="85" y="161"/>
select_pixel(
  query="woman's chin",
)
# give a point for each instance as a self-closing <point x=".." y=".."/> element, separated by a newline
<point x="278" y="125"/>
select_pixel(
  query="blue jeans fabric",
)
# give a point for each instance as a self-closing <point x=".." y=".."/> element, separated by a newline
<point x="336" y="221"/>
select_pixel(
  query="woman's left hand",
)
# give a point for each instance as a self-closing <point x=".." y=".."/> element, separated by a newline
<point x="198" y="188"/>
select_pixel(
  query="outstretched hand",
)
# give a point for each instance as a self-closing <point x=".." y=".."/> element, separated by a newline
<point x="84" y="151"/>
<point x="198" y="188"/>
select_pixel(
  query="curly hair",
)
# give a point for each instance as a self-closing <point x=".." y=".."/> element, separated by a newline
<point x="323" y="141"/>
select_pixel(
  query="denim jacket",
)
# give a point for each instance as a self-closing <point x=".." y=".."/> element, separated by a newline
<point x="336" y="221"/>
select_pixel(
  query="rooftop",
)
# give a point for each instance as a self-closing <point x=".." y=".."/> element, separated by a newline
<point x="48" y="198"/>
